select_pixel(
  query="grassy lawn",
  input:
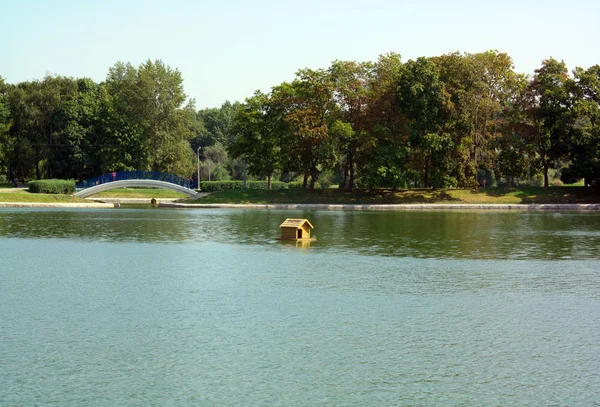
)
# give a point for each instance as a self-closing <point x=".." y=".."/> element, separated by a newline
<point x="528" y="195"/>
<point x="25" y="196"/>
<point x="414" y="196"/>
<point x="139" y="193"/>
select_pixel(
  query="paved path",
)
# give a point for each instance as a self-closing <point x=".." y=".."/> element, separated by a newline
<point x="19" y="189"/>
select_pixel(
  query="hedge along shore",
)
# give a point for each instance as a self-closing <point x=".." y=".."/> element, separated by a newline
<point x="397" y="207"/>
<point x="61" y="205"/>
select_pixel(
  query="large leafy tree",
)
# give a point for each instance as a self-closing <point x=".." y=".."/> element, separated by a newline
<point x="352" y="94"/>
<point x="161" y="100"/>
<point x="145" y="121"/>
<point x="38" y="127"/>
<point x="78" y="121"/>
<point x="549" y="115"/>
<point x="387" y="153"/>
<point x="257" y="126"/>
<point x="307" y="106"/>
<point x="515" y="155"/>
<point x="420" y="98"/>
<point x="477" y="90"/>
<point x="121" y="138"/>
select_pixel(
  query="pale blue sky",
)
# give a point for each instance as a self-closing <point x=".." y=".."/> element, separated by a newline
<point x="228" y="49"/>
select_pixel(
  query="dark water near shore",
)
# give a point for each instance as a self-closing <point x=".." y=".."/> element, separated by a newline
<point x="157" y="307"/>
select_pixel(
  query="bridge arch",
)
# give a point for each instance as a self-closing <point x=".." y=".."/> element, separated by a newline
<point x="148" y="183"/>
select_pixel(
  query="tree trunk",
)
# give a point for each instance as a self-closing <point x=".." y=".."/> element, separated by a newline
<point x="476" y="164"/>
<point x="545" y="174"/>
<point x="345" y="183"/>
<point x="313" y="176"/>
<point x="351" y="183"/>
<point x="426" y="177"/>
<point x="305" y="181"/>
<point x="269" y="182"/>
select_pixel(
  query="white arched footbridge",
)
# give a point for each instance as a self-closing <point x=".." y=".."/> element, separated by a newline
<point x="147" y="183"/>
<point x="126" y="179"/>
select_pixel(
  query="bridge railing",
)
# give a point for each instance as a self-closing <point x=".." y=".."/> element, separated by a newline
<point x="128" y="175"/>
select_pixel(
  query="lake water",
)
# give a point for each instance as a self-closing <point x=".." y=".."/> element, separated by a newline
<point x="154" y="307"/>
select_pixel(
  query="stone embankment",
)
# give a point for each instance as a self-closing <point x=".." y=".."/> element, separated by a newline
<point x="92" y="203"/>
<point x="398" y="207"/>
<point x="62" y="205"/>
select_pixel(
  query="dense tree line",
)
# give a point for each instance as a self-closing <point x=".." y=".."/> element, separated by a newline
<point x="75" y="128"/>
<point x="447" y="121"/>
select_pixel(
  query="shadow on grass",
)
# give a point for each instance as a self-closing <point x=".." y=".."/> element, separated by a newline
<point x="540" y="195"/>
<point x="494" y="192"/>
<point x="410" y="196"/>
<point x="389" y="196"/>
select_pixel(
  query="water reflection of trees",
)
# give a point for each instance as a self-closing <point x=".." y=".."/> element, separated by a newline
<point x="98" y="225"/>
<point x="476" y="235"/>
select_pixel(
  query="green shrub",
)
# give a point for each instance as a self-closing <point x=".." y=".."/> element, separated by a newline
<point x="217" y="186"/>
<point x="52" y="186"/>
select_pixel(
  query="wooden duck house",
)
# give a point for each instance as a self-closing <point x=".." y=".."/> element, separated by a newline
<point x="296" y="229"/>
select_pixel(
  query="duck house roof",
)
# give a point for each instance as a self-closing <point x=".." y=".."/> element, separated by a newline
<point x="295" y="223"/>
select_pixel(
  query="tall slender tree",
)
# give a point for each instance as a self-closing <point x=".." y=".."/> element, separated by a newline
<point x="352" y="94"/>
<point x="420" y="98"/>
<point x="257" y="126"/>
<point x="548" y="113"/>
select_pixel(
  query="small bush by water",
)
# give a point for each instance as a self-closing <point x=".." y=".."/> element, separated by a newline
<point x="52" y="186"/>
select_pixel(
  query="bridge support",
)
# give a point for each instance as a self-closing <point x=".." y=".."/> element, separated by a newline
<point x="147" y="183"/>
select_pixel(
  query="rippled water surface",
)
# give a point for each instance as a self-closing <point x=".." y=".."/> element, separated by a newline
<point x="147" y="307"/>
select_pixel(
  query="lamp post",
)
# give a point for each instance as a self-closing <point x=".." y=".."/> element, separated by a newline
<point x="198" y="180"/>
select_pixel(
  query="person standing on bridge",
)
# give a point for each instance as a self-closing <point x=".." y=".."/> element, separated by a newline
<point x="114" y="175"/>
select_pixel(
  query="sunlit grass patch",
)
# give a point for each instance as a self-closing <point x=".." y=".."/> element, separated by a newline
<point x="27" y="197"/>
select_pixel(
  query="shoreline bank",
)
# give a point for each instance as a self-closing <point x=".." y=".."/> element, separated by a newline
<point x="395" y="207"/>
<point x="165" y="203"/>
<point x="57" y="205"/>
